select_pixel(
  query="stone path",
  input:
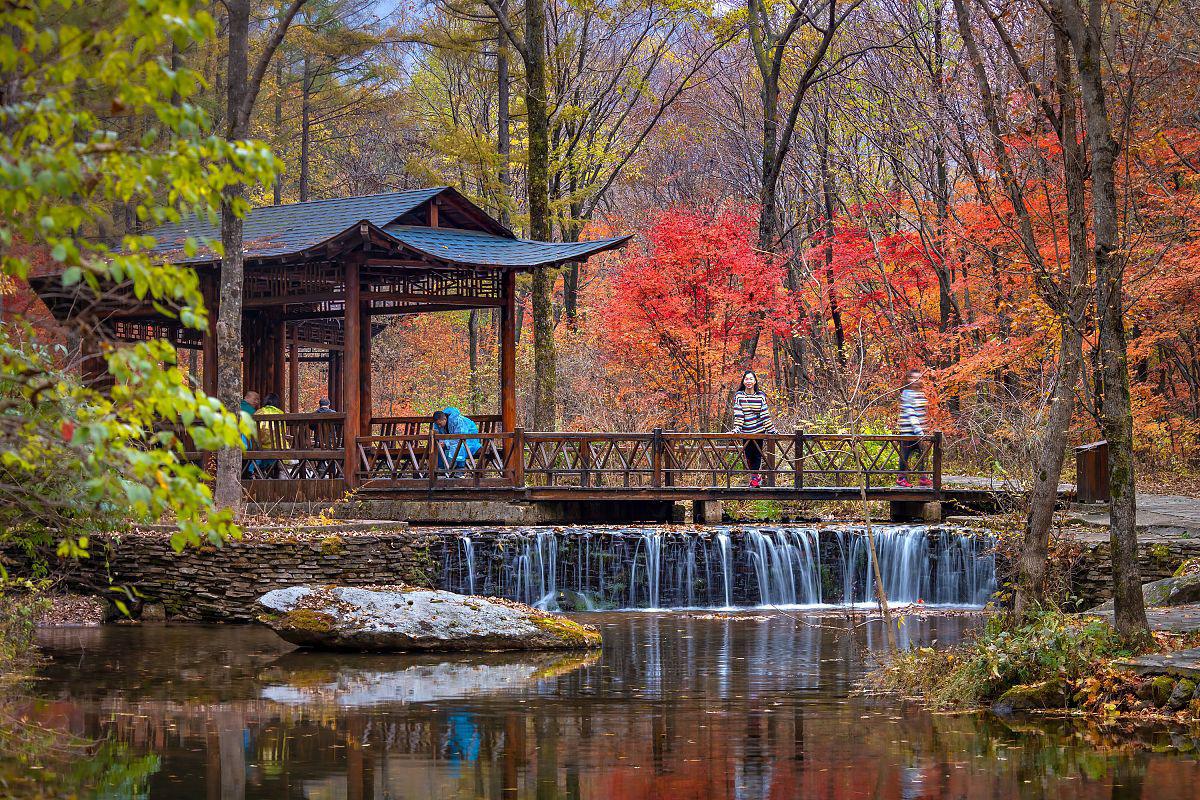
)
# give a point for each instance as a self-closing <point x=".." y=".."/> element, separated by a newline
<point x="1160" y="514"/>
<point x="1181" y="664"/>
<point x="1174" y="619"/>
<point x="994" y="484"/>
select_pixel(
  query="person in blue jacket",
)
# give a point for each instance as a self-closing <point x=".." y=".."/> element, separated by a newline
<point x="451" y="420"/>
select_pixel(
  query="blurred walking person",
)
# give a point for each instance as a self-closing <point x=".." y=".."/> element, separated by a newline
<point x="912" y="423"/>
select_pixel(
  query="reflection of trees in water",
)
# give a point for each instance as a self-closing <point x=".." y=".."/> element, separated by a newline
<point x="677" y="707"/>
<point x="64" y="764"/>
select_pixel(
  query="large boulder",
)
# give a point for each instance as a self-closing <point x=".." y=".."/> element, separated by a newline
<point x="396" y="619"/>
<point x="1175" y="591"/>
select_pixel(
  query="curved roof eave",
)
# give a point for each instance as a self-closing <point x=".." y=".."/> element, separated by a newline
<point x="470" y="249"/>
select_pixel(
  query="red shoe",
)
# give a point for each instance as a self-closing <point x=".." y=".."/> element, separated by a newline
<point x="927" y="482"/>
<point x="903" y="482"/>
<point x="755" y="481"/>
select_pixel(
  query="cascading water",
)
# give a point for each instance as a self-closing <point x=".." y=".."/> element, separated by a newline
<point x="663" y="568"/>
<point x="726" y="566"/>
<point x="468" y="556"/>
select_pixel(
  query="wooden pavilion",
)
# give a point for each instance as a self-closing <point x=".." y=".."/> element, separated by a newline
<point x="316" y="276"/>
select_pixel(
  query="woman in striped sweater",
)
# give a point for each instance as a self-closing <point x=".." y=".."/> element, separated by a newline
<point x="752" y="415"/>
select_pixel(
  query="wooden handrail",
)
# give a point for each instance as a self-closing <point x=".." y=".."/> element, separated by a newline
<point x="314" y="416"/>
<point x="646" y="460"/>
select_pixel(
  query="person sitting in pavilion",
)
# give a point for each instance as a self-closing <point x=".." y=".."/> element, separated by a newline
<point x="270" y="437"/>
<point x="249" y="406"/>
<point x="451" y="420"/>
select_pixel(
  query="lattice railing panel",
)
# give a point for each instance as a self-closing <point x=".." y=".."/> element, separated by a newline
<point x="294" y="280"/>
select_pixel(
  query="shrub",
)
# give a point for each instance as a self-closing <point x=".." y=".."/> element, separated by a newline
<point x="1047" y="646"/>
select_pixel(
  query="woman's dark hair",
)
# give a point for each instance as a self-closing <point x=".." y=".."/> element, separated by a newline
<point x="440" y="418"/>
<point x="271" y="399"/>
<point x="741" y="387"/>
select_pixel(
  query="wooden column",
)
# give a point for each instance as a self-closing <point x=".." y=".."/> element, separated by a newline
<point x="293" y="377"/>
<point x="256" y="354"/>
<point x="508" y="352"/>
<point x="364" y="374"/>
<point x="352" y="368"/>
<point x="335" y="379"/>
<point x="212" y="298"/>
<point x="279" y="354"/>
<point x="93" y="366"/>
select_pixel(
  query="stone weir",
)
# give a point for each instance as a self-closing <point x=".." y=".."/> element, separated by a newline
<point x="560" y="568"/>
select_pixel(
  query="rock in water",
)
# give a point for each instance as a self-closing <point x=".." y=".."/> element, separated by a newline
<point x="400" y="619"/>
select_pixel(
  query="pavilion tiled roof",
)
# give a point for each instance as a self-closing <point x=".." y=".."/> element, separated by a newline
<point x="476" y="248"/>
<point x="296" y="227"/>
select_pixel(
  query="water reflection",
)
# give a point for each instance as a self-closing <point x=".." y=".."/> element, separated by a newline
<point x="677" y="706"/>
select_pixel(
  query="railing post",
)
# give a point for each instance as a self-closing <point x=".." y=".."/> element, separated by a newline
<point x="585" y="463"/>
<point x="656" y="459"/>
<point x="517" y="465"/>
<point x="771" y="456"/>
<point x="798" y="465"/>
<point x="937" y="461"/>
<point x="431" y="459"/>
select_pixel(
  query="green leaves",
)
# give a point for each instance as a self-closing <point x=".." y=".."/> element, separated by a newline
<point x="100" y="120"/>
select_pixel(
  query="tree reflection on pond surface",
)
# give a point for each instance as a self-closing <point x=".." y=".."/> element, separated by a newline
<point x="676" y="706"/>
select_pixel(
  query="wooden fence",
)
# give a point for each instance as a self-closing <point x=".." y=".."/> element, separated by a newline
<point x="655" y="460"/>
<point x="405" y="453"/>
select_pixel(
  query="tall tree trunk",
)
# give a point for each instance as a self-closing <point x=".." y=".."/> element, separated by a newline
<point x="768" y="197"/>
<point x="473" y="359"/>
<point x="241" y="91"/>
<point x="1031" y="580"/>
<point x="503" y="127"/>
<point x="305" y="127"/>
<point x="946" y="306"/>
<point x="827" y="202"/>
<point x="1116" y="412"/>
<point x="227" y="490"/>
<point x="277" y="188"/>
<point x="538" y="177"/>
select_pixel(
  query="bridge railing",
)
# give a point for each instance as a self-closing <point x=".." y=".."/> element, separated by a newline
<point x="291" y="447"/>
<point x="658" y="459"/>
<point x="446" y="459"/>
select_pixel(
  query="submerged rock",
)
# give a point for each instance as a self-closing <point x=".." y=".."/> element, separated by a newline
<point x="404" y="619"/>
<point x="1032" y="696"/>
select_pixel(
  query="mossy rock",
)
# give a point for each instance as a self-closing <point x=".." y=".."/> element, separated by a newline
<point x="1181" y="695"/>
<point x="1032" y="696"/>
<point x="306" y="619"/>
<point x="407" y="619"/>
<point x="1159" y="690"/>
<point x="569" y="631"/>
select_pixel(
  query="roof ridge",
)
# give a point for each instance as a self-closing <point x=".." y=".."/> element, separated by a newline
<point x="434" y="189"/>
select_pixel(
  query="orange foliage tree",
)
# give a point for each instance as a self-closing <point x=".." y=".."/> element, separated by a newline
<point x="679" y="308"/>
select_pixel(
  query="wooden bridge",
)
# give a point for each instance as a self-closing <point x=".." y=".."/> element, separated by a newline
<point x="322" y="278"/>
<point x="302" y="457"/>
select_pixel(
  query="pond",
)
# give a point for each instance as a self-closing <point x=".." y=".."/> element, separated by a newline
<point x="678" y="705"/>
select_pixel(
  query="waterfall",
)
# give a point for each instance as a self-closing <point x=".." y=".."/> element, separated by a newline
<point x="650" y="544"/>
<point x="468" y="554"/>
<point x="726" y="567"/>
<point x="606" y="568"/>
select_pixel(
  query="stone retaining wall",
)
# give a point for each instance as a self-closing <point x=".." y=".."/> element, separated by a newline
<point x="221" y="583"/>
<point x="1158" y="557"/>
